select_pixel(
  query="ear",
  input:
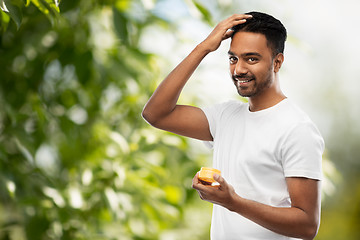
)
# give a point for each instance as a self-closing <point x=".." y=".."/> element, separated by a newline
<point x="278" y="60"/>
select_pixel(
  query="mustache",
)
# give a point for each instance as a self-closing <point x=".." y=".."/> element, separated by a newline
<point x="245" y="76"/>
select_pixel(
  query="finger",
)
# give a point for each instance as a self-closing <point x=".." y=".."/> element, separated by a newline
<point x="233" y="22"/>
<point x="220" y="180"/>
<point x="196" y="177"/>
<point x="195" y="180"/>
<point x="237" y="19"/>
<point x="228" y="34"/>
<point x="196" y="184"/>
<point x="237" y="22"/>
<point x="241" y="16"/>
<point x="200" y="187"/>
<point x="200" y="195"/>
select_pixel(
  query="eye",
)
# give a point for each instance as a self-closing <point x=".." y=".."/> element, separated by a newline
<point x="252" y="59"/>
<point x="232" y="59"/>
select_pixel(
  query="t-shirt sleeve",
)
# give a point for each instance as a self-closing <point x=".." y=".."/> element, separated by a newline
<point x="213" y="115"/>
<point x="209" y="113"/>
<point x="302" y="152"/>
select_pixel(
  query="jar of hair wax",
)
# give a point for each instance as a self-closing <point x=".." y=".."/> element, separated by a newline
<point x="206" y="175"/>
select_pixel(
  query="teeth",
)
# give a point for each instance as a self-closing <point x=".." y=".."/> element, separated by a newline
<point x="244" y="81"/>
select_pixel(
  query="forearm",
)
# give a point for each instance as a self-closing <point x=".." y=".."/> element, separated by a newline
<point x="163" y="102"/>
<point x="293" y="221"/>
<point x="165" y="97"/>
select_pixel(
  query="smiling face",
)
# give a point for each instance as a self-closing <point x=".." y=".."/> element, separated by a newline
<point x="252" y="64"/>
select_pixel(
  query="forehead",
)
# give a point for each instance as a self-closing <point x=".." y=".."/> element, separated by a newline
<point x="248" y="42"/>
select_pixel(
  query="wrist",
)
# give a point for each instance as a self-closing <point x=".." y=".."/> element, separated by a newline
<point x="234" y="203"/>
<point x="202" y="47"/>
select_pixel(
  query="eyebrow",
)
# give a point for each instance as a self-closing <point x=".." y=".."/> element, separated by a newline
<point x="245" y="54"/>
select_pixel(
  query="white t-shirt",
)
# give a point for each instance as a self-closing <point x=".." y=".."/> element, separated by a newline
<point x="255" y="151"/>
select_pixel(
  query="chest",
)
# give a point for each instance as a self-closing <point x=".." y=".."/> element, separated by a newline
<point x="249" y="145"/>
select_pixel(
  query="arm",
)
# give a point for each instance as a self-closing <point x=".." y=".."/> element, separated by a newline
<point x="162" y="110"/>
<point x="301" y="220"/>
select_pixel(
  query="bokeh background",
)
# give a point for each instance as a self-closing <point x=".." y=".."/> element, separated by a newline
<point x="77" y="161"/>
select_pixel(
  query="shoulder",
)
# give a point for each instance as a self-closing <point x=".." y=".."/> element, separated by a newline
<point x="299" y="125"/>
<point x="296" y="122"/>
<point x="293" y="114"/>
<point x="220" y="115"/>
<point x="226" y="107"/>
<point x="292" y="118"/>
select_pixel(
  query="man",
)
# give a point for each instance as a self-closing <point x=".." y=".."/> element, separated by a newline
<point x="269" y="151"/>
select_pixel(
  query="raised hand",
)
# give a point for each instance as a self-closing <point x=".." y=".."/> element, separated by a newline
<point x="162" y="110"/>
<point x="223" y="31"/>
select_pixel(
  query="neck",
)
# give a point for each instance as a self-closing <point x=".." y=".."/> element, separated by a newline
<point x="272" y="96"/>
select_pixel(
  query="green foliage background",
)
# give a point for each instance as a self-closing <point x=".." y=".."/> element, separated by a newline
<point x="77" y="161"/>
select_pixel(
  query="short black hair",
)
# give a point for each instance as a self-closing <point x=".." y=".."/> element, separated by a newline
<point x="271" y="27"/>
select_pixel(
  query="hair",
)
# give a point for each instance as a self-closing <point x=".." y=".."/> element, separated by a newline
<point x="267" y="25"/>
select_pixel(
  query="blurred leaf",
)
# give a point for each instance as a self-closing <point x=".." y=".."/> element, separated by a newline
<point x="49" y="8"/>
<point x="46" y="6"/>
<point x="36" y="227"/>
<point x="4" y="21"/>
<point x="120" y="23"/>
<point x="68" y="5"/>
<point x="203" y="10"/>
<point x="122" y="5"/>
<point x="15" y="12"/>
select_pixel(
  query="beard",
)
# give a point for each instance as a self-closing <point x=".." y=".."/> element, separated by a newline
<point x="256" y="86"/>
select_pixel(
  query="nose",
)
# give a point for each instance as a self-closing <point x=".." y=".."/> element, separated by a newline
<point x="240" y="69"/>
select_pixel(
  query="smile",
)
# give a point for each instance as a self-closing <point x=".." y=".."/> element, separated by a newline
<point x="244" y="81"/>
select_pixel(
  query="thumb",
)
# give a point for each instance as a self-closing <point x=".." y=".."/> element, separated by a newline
<point x="228" y="34"/>
<point x="220" y="180"/>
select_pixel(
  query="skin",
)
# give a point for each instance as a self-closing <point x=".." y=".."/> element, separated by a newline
<point x="250" y="58"/>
